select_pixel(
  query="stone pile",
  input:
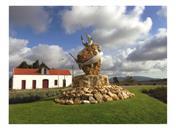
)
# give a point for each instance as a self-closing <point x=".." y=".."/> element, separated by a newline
<point x="93" y="95"/>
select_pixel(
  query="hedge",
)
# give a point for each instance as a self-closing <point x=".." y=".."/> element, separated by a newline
<point x="24" y="96"/>
<point x="159" y="93"/>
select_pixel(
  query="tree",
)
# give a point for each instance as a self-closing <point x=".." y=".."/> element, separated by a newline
<point x="23" y="65"/>
<point x="10" y="83"/>
<point x="36" y="64"/>
<point x="43" y="65"/>
<point x="115" y="80"/>
<point x="129" y="79"/>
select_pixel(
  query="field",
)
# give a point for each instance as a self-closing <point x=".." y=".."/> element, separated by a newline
<point x="141" y="109"/>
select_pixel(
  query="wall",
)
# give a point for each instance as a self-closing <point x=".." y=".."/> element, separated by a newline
<point x="39" y="78"/>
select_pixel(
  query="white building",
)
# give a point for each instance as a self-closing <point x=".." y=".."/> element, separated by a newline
<point x="40" y="78"/>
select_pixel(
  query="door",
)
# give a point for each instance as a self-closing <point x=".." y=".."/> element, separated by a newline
<point x="64" y="83"/>
<point x="45" y="83"/>
<point x="34" y="84"/>
<point x="23" y="84"/>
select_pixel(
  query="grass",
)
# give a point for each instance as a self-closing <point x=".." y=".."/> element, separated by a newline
<point x="141" y="109"/>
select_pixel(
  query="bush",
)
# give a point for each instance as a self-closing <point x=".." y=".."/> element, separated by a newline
<point x="24" y="96"/>
<point x="159" y="93"/>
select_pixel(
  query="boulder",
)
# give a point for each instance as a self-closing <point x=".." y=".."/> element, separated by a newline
<point x="98" y="97"/>
<point x="77" y="101"/>
<point x="120" y="96"/>
<point x="85" y="102"/>
<point x="125" y="96"/>
<point x="87" y="90"/>
<point x="69" y="102"/>
<point x="88" y="94"/>
<point x="92" y="100"/>
<point x="107" y="98"/>
<point x="60" y="101"/>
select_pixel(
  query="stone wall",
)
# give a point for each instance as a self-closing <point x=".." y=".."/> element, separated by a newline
<point x="90" y="80"/>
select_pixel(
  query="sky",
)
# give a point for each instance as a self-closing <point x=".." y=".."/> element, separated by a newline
<point x="133" y="38"/>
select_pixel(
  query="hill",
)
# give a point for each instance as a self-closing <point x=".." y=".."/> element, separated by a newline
<point x="134" y="80"/>
<point x="137" y="78"/>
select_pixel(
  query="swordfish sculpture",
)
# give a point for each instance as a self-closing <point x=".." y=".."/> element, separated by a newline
<point x="89" y="59"/>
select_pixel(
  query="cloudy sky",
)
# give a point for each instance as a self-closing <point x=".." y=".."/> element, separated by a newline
<point x="133" y="39"/>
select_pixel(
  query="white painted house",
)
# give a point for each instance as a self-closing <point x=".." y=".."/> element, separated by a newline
<point x="40" y="78"/>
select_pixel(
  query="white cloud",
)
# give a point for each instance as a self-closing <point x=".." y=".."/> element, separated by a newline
<point x="53" y="55"/>
<point x="17" y="45"/>
<point x="161" y="65"/>
<point x="112" y="26"/>
<point x="107" y="62"/>
<point x="122" y="67"/>
<point x="31" y="16"/>
<point x="152" y="49"/>
<point x="17" y="51"/>
<point x="162" y="12"/>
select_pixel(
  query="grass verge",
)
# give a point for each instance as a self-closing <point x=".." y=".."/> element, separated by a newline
<point x="141" y="109"/>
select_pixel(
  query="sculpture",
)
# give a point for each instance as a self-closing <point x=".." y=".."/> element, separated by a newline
<point x="91" y="87"/>
<point x="89" y="59"/>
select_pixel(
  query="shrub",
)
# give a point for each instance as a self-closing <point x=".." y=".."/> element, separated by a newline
<point x="159" y="93"/>
<point x="24" y="96"/>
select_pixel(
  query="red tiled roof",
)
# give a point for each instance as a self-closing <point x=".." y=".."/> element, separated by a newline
<point x="24" y="71"/>
<point x="59" y="72"/>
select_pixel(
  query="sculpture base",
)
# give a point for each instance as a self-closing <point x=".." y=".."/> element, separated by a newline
<point x="90" y="81"/>
<point x="92" y="89"/>
<point x="93" y="95"/>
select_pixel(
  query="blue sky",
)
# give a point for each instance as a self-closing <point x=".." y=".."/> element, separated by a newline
<point x="62" y="26"/>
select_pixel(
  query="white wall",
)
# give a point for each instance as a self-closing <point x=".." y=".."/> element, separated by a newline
<point x="17" y="84"/>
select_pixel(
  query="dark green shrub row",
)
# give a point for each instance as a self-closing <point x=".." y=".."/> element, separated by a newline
<point x="24" y="96"/>
<point x="159" y="93"/>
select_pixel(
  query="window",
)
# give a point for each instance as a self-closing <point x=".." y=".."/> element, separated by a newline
<point x="23" y="84"/>
<point x="55" y="82"/>
<point x="34" y="84"/>
<point x="64" y="83"/>
<point x="45" y="71"/>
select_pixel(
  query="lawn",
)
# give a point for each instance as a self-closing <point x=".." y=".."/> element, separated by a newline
<point x="141" y="109"/>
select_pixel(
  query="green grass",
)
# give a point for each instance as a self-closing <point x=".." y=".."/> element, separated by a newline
<point x="141" y="109"/>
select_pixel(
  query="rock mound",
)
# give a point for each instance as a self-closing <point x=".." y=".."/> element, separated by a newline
<point x="93" y="95"/>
